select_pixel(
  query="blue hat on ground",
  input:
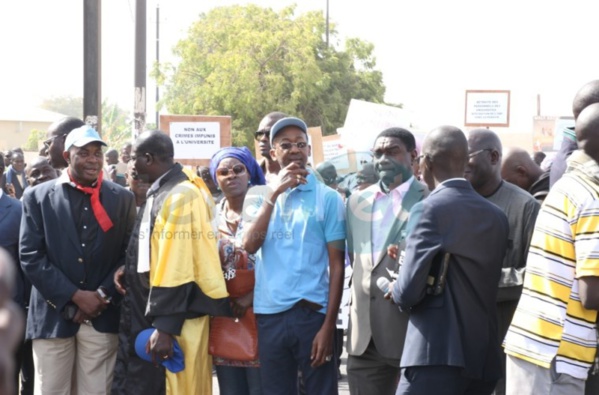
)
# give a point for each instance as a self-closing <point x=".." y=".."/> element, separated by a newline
<point x="175" y="364"/>
<point x="286" y="122"/>
<point x="82" y="136"/>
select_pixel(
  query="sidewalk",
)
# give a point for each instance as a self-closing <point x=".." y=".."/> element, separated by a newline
<point x="343" y="386"/>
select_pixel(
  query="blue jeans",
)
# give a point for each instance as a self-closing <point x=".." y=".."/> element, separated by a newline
<point x="234" y="380"/>
<point x="285" y="344"/>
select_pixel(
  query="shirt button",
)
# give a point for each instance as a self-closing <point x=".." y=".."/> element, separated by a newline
<point x="80" y="260"/>
<point x="82" y="244"/>
<point x="85" y="208"/>
<point x="84" y="227"/>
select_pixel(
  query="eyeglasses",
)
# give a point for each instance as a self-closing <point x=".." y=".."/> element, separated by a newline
<point x="287" y="146"/>
<point x="389" y="151"/>
<point x="237" y="169"/>
<point x="260" y="133"/>
<point x="330" y="180"/>
<point x="49" y="141"/>
<point x="473" y="154"/>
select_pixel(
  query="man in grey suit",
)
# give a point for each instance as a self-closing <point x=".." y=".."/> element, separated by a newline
<point x="376" y="218"/>
<point x="451" y="343"/>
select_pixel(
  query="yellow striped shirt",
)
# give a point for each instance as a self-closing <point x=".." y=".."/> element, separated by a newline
<point x="550" y="321"/>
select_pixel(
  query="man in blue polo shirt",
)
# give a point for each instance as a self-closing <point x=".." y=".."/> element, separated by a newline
<point x="296" y="227"/>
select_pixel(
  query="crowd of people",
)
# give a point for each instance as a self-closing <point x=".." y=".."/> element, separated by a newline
<point x="474" y="270"/>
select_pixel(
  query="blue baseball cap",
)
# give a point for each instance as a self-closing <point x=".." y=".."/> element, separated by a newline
<point x="284" y="123"/>
<point x="82" y="136"/>
<point x="175" y="364"/>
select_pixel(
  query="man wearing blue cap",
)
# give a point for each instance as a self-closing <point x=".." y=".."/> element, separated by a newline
<point x="74" y="234"/>
<point x="296" y="227"/>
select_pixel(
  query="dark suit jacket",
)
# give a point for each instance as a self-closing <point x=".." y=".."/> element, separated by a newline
<point x="10" y="220"/>
<point x="15" y="182"/>
<point x="371" y="315"/>
<point x="52" y="258"/>
<point x="459" y="326"/>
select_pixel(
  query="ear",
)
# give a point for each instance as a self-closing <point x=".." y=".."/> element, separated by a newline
<point x="495" y="158"/>
<point x="273" y="153"/>
<point x="309" y="150"/>
<point x="521" y="171"/>
<point x="67" y="156"/>
<point x="413" y="154"/>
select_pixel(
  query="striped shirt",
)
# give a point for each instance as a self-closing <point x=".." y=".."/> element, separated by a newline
<point x="550" y="321"/>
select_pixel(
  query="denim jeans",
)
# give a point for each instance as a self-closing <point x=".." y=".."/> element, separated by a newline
<point x="285" y="344"/>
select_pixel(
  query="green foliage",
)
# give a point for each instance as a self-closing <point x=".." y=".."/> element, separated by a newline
<point x="116" y="128"/>
<point x="246" y="61"/>
<point x="36" y="136"/>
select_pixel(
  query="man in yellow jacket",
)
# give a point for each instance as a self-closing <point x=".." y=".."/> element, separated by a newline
<point x="172" y="279"/>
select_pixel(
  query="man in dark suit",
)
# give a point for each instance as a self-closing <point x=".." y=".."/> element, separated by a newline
<point x="74" y="233"/>
<point x="377" y="217"/>
<point x="451" y="343"/>
<point x="10" y="220"/>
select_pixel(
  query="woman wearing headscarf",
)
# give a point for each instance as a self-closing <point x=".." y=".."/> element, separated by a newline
<point x="234" y="170"/>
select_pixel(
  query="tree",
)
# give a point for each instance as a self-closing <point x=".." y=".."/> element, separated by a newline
<point x="35" y="137"/>
<point x="116" y="127"/>
<point x="246" y="61"/>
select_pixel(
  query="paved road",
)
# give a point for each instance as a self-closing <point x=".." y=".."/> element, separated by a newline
<point x="343" y="386"/>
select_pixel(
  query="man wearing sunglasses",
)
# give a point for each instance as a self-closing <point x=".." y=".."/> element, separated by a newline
<point x="56" y="135"/>
<point x="296" y="228"/>
<point x="484" y="173"/>
<point x="270" y="167"/>
<point x="377" y="217"/>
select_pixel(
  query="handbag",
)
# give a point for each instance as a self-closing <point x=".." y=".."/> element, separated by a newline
<point x="234" y="338"/>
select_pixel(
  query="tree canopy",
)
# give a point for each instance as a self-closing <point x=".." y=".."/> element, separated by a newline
<point x="246" y="61"/>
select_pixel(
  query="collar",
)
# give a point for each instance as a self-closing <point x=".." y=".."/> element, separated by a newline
<point x="64" y="179"/>
<point x="579" y="161"/>
<point x="452" y="179"/>
<point x="306" y="187"/>
<point x="397" y="192"/>
<point x="162" y="179"/>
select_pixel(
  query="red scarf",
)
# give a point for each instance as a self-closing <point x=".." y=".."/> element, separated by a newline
<point x="99" y="212"/>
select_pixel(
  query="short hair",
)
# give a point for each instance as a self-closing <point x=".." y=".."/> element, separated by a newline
<point x="406" y="137"/>
<point x="68" y="124"/>
<point x="275" y="116"/>
<point x="158" y="144"/>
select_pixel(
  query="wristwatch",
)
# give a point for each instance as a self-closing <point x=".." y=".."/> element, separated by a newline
<point x="104" y="294"/>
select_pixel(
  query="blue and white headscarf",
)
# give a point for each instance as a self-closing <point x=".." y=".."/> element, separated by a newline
<point x="243" y="155"/>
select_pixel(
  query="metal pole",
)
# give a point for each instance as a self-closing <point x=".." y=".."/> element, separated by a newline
<point x="92" y="63"/>
<point x="139" y="107"/>
<point x="157" y="60"/>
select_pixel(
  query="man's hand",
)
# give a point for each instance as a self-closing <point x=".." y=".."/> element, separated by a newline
<point x="119" y="280"/>
<point x="89" y="302"/>
<point x="80" y="317"/>
<point x="160" y="346"/>
<point x="240" y="305"/>
<point x="322" y="347"/>
<point x="290" y="176"/>
<point x="393" y="251"/>
<point x="10" y="190"/>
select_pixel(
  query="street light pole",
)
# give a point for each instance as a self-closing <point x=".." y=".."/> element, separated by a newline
<point x="139" y="106"/>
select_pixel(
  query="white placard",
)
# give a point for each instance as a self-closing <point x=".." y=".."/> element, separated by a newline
<point x="335" y="152"/>
<point x="195" y="140"/>
<point x="365" y="120"/>
<point x="487" y="108"/>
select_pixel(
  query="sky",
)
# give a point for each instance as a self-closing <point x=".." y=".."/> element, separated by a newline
<point x="429" y="51"/>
